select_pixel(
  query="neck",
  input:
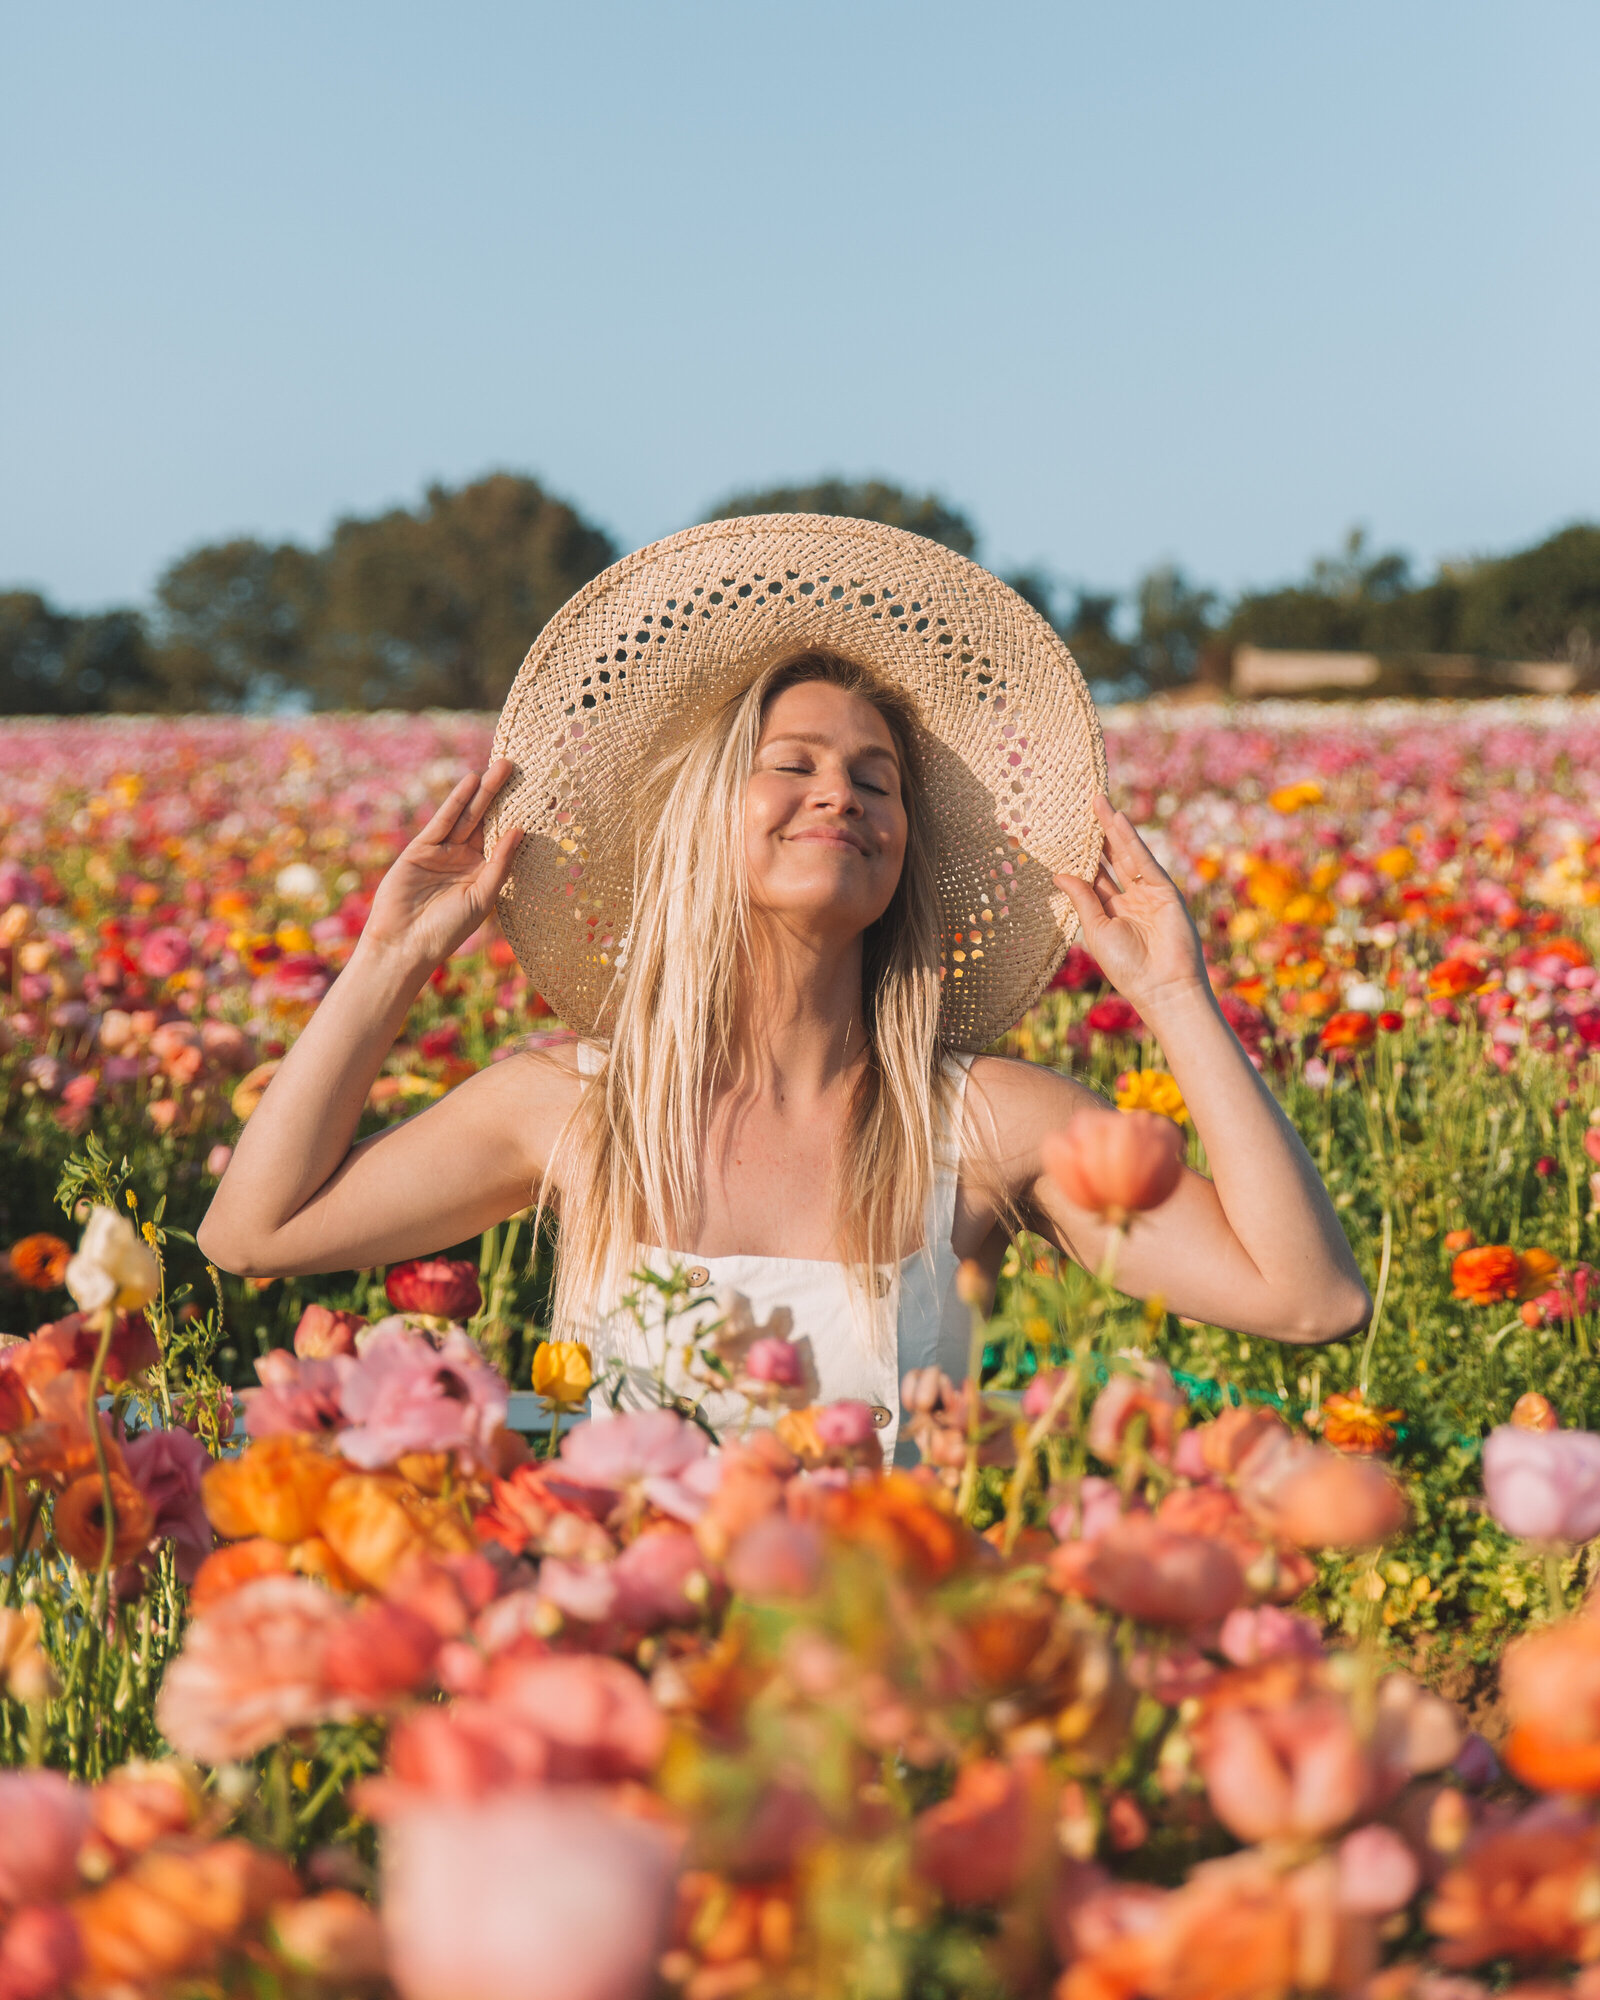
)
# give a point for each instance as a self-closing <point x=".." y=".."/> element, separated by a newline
<point x="800" y="1025"/>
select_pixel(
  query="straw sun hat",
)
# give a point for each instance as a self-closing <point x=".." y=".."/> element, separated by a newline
<point x="1009" y="746"/>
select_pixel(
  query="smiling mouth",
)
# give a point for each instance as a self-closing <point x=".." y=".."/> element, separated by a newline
<point x="830" y="836"/>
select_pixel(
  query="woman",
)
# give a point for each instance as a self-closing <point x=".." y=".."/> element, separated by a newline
<point x="789" y="817"/>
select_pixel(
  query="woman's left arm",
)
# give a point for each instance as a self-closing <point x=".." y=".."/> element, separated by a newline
<point x="1257" y="1247"/>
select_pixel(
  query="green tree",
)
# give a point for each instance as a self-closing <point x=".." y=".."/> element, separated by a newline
<point x="236" y="621"/>
<point x="1175" y="622"/>
<point x="437" y="608"/>
<point x="52" y="663"/>
<point x="862" y="500"/>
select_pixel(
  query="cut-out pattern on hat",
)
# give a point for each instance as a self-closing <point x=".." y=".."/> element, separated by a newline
<point x="1010" y="748"/>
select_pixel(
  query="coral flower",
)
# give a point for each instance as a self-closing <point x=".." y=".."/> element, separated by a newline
<point x="562" y="1370"/>
<point x="1526" y="1892"/>
<point x="1349" y="1030"/>
<point x="1151" y="1572"/>
<point x="1453" y="977"/>
<point x="442" y="1287"/>
<point x="1533" y="1412"/>
<point x="322" y="1333"/>
<point x="39" y="1261"/>
<point x="1351" y="1423"/>
<point x="1486" y="1276"/>
<point x="1325" y="1500"/>
<point x="1152" y="1090"/>
<point x="973" y="1846"/>
<point x="43" y="1819"/>
<point x="1292" y="1772"/>
<point x="1115" y="1164"/>
<point x="175" y="1910"/>
<point x="253" y="1667"/>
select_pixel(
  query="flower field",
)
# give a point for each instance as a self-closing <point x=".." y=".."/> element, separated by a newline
<point x="1182" y="1666"/>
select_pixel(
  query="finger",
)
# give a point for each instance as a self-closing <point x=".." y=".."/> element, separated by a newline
<point x="491" y="878"/>
<point x="1085" y="899"/>
<point x="1129" y="851"/>
<point x="486" y="787"/>
<point x="438" y="828"/>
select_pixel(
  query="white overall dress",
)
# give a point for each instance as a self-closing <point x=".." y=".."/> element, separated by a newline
<point x="811" y="1300"/>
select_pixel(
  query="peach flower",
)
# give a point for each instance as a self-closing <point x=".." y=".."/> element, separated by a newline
<point x="253" y="1667"/>
<point x="973" y="1847"/>
<point x="1296" y="1771"/>
<point x="1150" y="1572"/>
<point x="276" y="1488"/>
<point x="1115" y="1164"/>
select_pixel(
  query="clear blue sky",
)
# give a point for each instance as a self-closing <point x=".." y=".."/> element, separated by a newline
<point x="1128" y="282"/>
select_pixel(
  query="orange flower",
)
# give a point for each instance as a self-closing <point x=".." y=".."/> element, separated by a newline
<point x="275" y="1488"/>
<point x="372" y="1523"/>
<point x="39" y="1261"/>
<point x="225" y="1569"/>
<point x="906" y="1522"/>
<point x="1350" y="1030"/>
<point x="1458" y="1239"/>
<point x="174" y="1909"/>
<point x="1350" y="1423"/>
<point x="80" y="1520"/>
<point x="1538" y="1267"/>
<point x="1488" y="1275"/>
<point x="1452" y="977"/>
<point x="1533" y="1412"/>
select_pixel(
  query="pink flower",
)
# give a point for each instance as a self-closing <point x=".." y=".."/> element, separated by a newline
<point x="41" y="1953"/>
<point x="774" y="1360"/>
<point x="406" y="1394"/>
<point x="296" y="1395"/>
<point x="845" y="1426"/>
<point x="548" y="1892"/>
<point x="1097" y="1507"/>
<point x="1291" y="1772"/>
<point x="1149" y="1395"/>
<point x="973" y="1846"/>
<point x="218" y="1161"/>
<point x="1378" y="1873"/>
<point x="323" y="1333"/>
<point x="167" y="1466"/>
<point x="253" y="1667"/>
<point x="1152" y="1573"/>
<point x="1254" y="1633"/>
<point x="615" y="1452"/>
<point x="596" y="1714"/>
<point x="164" y="952"/>
<point x="776" y="1557"/>
<point x="378" y="1651"/>
<point x="1543" y="1485"/>
<point x="660" y="1579"/>
<point x="43" y="1820"/>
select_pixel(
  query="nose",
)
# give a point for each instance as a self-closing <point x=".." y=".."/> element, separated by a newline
<point x="833" y="786"/>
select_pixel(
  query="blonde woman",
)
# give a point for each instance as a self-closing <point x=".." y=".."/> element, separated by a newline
<point x="790" y="817"/>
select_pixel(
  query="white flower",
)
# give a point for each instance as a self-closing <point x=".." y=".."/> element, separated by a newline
<point x="113" y="1265"/>
<point x="298" y="883"/>
<point x="1365" y="996"/>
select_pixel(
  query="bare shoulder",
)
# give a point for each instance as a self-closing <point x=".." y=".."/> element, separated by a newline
<point x="526" y="1099"/>
<point x="1021" y="1099"/>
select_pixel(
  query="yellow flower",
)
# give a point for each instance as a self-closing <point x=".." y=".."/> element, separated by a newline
<point x="1290" y="798"/>
<point x="562" y="1370"/>
<point x="1395" y="862"/>
<point x="1151" y="1090"/>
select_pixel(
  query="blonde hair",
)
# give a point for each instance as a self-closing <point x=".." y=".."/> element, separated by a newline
<point x="629" y="1163"/>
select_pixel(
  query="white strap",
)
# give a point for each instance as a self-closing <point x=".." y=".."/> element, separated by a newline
<point x="590" y="1059"/>
<point x="947" y="1156"/>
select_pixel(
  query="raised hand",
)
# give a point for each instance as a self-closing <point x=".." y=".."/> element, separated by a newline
<point x="442" y="885"/>
<point x="1135" y="921"/>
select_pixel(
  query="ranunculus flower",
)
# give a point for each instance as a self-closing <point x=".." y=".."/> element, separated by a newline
<point x="375" y="1524"/>
<point x="1550" y="1684"/>
<point x="80" y="1519"/>
<point x="1533" y="1412"/>
<point x="597" y="1714"/>
<point x="442" y="1287"/>
<point x="39" y="1262"/>
<point x="378" y="1651"/>
<point x="845" y="1426"/>
<point x="174" y="1911"/>
<point x="1254" y="1633"/>
<point x="276" y="1487"/>
<point x="562" y="1370"/>
<point x="1114" y="1016"/>
<point x="1543" y="1485"/>
<point x="776" y="1557"/>
<point x="296" y="1394"/>
<point x="405" y="1394"/>
<point x="167" y="1466"/>
<point x="1291" y="1772"/>
<point x="321" y="1333"/>
<point x="614" y="1452"/>
<point x="113" y="1265"/>
<point x="1152" y="1573"/>
<point x="1146" y="1395"/>
<point x="1378" y="1873"/>
<point x="775" y="1361"/>
<point x="973" y="1846"/>
<point x="1352" y="1029"/>
<point x="43" y="1820"/>
<point x="41" y="1953"/>
<point x="253" y="1667"/>
<point x="552" y="1892"/>
<point x="163" y="952"/>
<point x="1487" y="1275"/>
<point x="335" y="1938"/>
<point x="1115" y="1164"/>
<point x="1326" y="1500"/>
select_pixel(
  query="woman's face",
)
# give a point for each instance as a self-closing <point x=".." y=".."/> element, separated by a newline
<point x="824" y="819"/>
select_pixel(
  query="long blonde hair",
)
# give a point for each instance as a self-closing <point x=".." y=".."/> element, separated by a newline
<point x="629" y="1163"/>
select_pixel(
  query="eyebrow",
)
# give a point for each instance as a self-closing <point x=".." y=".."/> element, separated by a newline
<point x="826" y="743"/>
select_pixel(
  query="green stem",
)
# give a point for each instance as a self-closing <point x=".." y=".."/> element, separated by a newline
<point x="1377" y="1305"/>
<point x="98" y="1440"/>
<point x="969" y="1471"/>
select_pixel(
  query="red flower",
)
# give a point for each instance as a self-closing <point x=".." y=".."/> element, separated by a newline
<point x="446" y="1288"/>
<point x="1488" y="1275"/>
<point x="1078" y="972"/>
<point x="1453" y="977"/>
<point x="1351" y="1030"/>
<point x="1114" y="1016"/>
<point x="1390" y="1022"/>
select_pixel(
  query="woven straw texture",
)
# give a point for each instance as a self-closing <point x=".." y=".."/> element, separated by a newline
<point x="1011" y="752"/>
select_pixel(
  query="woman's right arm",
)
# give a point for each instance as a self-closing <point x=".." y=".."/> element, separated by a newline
<point x="297" y="1196"/>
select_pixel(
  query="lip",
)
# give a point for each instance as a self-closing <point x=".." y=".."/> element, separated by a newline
<point x="830" y="836"/>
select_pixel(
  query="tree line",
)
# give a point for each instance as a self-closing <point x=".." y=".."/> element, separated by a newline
<point x="435" y="606"/>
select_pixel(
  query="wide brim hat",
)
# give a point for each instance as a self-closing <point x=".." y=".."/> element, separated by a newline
<point x="1009" y="749"/>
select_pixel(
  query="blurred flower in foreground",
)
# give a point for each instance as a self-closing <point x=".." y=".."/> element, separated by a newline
<point x="113" y="1265"/>
<point x="1543" y="1485"/>
<point x="39" y="1261"/>
<point x="1115" y="1164"/>
<point x="564" y="1895"/>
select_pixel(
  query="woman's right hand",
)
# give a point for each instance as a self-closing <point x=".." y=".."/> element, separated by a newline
<point x="442" y="885"/>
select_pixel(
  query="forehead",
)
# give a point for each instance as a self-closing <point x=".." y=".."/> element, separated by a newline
<point x="819" y="710"/>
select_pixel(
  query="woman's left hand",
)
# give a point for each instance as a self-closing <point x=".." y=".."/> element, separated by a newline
<point x="1135" y="922"/>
